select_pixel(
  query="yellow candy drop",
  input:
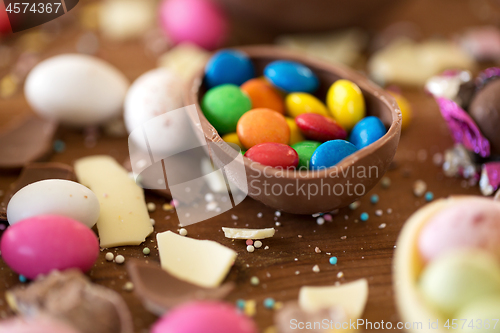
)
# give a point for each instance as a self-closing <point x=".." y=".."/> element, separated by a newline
<point x="346" y="103"/>
<point x="299" y="103"/>
<point x="232" y="138"/>
<point x="295" y="134"/>
<point x="405" y="107"/>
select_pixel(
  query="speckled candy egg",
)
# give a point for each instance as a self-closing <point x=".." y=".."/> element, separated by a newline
<point x="200" y="22"/>
<point x="206" y="317"/>
<point x="40" y="244"/>
<point x="76" y="89"/>
<point x="54" y="197"/>
<point x="158" y="94"/>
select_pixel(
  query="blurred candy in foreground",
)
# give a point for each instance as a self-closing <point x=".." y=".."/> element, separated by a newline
<point x="198" y="21"/>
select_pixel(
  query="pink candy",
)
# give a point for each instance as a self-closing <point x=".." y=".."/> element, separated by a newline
<point x="40" y="244"/>
<point x="204" y="317"/>
<point x="200" y="22"/>
<point x="474" y="223"/>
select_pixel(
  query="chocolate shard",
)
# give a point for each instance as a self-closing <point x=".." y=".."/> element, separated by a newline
<point x="69" y="296"/>
<point x="161" y="291"/>
<point x="33" y="173"/>
<point x="27" y="139"/>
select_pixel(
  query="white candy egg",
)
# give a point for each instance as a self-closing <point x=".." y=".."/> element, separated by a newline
<point x="154" y="95"/>
<point x="54" y="197"/>
<point x="76" y="89"/>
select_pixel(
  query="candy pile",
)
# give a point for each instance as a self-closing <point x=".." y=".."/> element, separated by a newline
<point x="278" y="120"/>
<point x="459" y="246"/>
<point x="472" y="111"/>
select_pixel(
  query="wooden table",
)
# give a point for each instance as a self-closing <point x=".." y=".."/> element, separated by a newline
<point x="367" y="250"/>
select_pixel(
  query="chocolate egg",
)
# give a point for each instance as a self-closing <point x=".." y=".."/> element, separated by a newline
<point x="485" y="110"/>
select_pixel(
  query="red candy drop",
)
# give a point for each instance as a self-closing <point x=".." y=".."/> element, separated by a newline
<point x="276" y="155"/>
<point x="319" y="128"/>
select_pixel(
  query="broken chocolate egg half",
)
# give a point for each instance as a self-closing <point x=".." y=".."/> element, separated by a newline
<point x="445" y="266"/>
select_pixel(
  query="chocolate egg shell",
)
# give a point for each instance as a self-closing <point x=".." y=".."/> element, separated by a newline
<point x="377" y="156"/>
<point x="409" y="264"/>
<point x="485" y="110"/>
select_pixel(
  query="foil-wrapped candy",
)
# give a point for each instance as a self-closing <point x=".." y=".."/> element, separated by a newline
<point x="456" y="85"/>
<point x="458" y="161"/>
<point x="490" y="178"/>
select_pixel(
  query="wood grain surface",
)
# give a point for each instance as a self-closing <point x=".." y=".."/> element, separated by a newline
<point x="367" y="250"/>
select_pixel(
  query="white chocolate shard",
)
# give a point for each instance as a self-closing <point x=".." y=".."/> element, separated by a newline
<point x="351" y="297"/>
<point x="237" y="233"/>
<point x="185" y="59"/>
<point x="204" y="263"/>
<point x="124" y="218"/>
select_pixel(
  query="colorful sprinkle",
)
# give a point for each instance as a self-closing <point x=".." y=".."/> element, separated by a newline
<point x="257" y="244"/>
<point x="240" y="304"/>
<point x="249" y="242"/>
<point x="23" y="279"/>
<point x="250" y="308"/>
<point x="419" y="188"/>
<point x="269" y="303"/>
<point x="183" y="232"/>
<point x="385" y="182"/>
<point x="316" y="269"/>
<point x="59" y="146"/>
<point x="328" y="217"/>
<point x="374" y="199"/>
<point x="354" y="205"/>
<point x="320" y="221"/>
<point x="167" y="207"/>
<point x="151" y="207"/>
<point x="364" y="217"/>
<point x="254" y="281"/>
<point x="129" y="286"/>
<point x="333" y="261"/>
<point x="429" y="196"/>
<point x="146" y="250"/>
<point x="120" y="259"/>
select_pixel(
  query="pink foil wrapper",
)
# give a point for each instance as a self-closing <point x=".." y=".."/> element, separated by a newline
<point x="486" y="75"/>
<point x="463" y="129"/>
